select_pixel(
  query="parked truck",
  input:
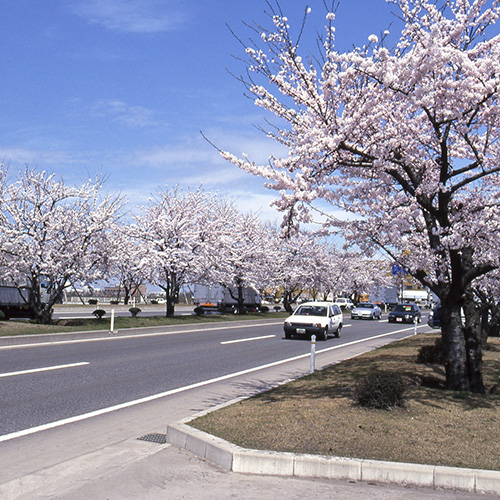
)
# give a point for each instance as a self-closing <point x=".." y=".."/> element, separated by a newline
<point x="14" y="301"/>
<point x="223" y="300"/>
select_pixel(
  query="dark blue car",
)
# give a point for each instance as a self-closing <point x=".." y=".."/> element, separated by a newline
<point x="434" y="321"/>
<point x="405" y="313"/>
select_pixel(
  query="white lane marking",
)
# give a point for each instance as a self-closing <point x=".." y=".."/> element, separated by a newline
<point x="247" y="340"/>
<point x="45" y="369"/>
<point x="128" y="404"/>
<point x="137" y="336"/>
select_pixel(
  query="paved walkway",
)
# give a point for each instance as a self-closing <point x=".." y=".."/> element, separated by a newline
<point x="141" y="470"/>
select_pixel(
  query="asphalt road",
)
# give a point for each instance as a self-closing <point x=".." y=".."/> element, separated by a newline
<point x="47" y="379"/>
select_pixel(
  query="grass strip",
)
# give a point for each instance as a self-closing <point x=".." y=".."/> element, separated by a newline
<point x="12" y="327"/>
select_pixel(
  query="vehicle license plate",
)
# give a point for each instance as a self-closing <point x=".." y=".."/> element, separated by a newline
<point x="301" y="330"/>
<point x="399" y="319"/>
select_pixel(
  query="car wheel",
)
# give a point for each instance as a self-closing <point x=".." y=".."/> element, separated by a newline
<point x="324" y="334"/>
<point x="339" y="329"/>
<point x="288" y="335"/>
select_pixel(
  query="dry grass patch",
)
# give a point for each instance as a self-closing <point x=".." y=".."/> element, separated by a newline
<point x="317" y="414"/>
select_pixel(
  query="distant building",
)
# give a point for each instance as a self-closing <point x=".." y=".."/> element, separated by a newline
<point x="117" y="292"/>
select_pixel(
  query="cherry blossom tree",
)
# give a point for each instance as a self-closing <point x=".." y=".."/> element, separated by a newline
<point x="307" y="262"/>
<point x="296" y="254"/>
<point x="126" y="261"/>
<point x="54" y="235"/>
<point x="243" y="257"/>
<point x="404" y="137"/>
<point x="354" y="275"/>
<point x="177" y="230"/>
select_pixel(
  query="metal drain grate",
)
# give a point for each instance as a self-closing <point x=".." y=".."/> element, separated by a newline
<point x="154" y="438"/>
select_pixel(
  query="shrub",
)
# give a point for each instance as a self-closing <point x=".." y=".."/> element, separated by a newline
<point x="380" y="390"/>
<point x="134" y="311"/>
<point x="431" y="354"/>
<point x="99" y="313"/>
<point x="93" y="302"/>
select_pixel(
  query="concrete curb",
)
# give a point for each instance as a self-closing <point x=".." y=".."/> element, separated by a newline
<point x="238" y="459"/>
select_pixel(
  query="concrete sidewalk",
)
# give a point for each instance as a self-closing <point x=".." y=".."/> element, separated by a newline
<point x="136" y="469"/>
<point x="237" y="459"/>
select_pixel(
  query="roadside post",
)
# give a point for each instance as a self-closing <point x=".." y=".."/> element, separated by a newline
<point x="415" y="324"/>
<point x="112" y="325"/>
<point x="313" y="353"/>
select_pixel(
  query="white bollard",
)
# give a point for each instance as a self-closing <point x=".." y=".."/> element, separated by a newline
<point x="313" y="353"/>
<point x="112" y="326"/>
<point x="415" y="322"/>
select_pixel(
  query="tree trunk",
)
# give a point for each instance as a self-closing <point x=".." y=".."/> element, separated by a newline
<point x="170" y="289"/>
<point x="41" y="312"/>
<point x="170" y="311"/>
<point x="287" y="302"/>
<point x="241" y="301"/>
<point x="289" y="297"/>
<point x="473" y="345"/>
<point x="46" y="315"/>
<point x="126" y="297"/>
<point x="462" y="349"/>
<point x="454" y="348"/>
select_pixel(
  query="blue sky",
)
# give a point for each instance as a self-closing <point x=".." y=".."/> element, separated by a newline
<point x="123" y="88"/>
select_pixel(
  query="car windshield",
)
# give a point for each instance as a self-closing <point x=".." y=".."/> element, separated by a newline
<point x="365" y="306"/>
<point x="403" y="308"/>
<point x="311" y="311"/>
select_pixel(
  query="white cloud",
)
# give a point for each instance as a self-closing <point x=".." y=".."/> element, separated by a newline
<point x="27" y="156"/>
<point x="124" y="114"/>
<point x="131" y="16"/>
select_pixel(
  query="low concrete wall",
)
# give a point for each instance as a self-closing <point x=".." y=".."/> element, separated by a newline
<point x="238" y="459"/>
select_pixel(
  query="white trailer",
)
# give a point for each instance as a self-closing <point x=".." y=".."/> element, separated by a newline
<point x="420" y="297"/>
<point x="220" y="299"/>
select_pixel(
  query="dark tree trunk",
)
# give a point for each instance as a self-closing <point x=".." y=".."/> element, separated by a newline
<point x="40" y="311"/>
<point x="462" y="348"/>
<point x="287" y="302"/>
<point x="171" y="290"/>
<point x="454" y="348"/>
<point x="290" y="297"/>
<point x="473" y="345"/>
<point x="241" y="300"/>
<point x="126" y="297"/>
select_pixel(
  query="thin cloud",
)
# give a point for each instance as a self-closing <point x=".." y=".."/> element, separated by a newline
<point x="124" y="114"/>
<point x="131" y="16"/>
<point x="27" y="156"/>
